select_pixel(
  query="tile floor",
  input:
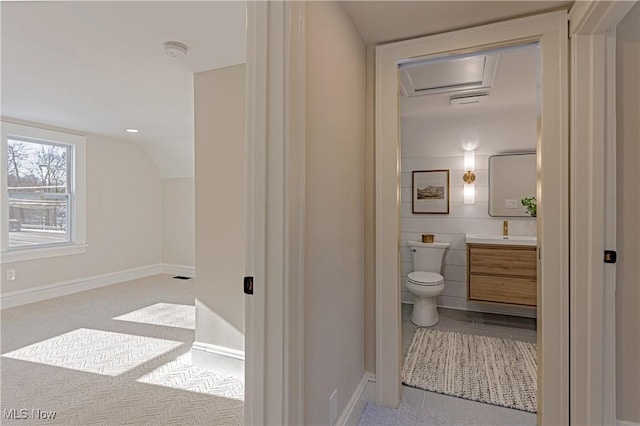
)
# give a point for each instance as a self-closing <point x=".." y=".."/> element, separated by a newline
<point x="422" y="408"/>
<point x="483" y="324"/>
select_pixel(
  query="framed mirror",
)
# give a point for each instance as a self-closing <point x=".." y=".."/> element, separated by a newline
<point x="512" y="177"/>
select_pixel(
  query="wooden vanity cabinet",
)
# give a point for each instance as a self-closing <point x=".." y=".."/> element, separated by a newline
<point x="504" y="274"/>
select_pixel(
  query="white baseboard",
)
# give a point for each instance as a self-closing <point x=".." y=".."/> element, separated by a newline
<point x="182" y="270"/>
<point x="370" y="391"/>
<point x="371" y="376"/>
<point x="355" y="407"/>
<point x="219" y="359"/>
<point x="519" y="312"/>
<point x="49" y="291"/>
<point x="626" y="423"/>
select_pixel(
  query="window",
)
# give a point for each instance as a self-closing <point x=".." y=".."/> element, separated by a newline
<point x="43" y="202"/>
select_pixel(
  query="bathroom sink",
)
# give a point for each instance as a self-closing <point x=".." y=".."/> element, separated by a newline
<point x="520" y="240"/>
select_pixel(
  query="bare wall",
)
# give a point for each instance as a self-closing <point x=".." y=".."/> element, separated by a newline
<point x="334" y="221"/>
<point x="220" y="205"/>
<point x="178" y="222"/>
<point x="369" y="220"/>
<point x="124" y="205"/>
<point x="628" y="209"/>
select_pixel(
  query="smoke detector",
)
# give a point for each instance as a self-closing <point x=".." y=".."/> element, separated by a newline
<point x="175" y="49"/>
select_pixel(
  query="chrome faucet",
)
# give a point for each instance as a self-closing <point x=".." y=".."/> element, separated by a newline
<point x="505" y="228"/>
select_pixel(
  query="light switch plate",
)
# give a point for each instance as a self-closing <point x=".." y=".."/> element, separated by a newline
<point x="510" y="204"/>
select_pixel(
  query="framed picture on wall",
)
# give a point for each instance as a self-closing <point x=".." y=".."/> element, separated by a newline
<point x="430" y="189"/>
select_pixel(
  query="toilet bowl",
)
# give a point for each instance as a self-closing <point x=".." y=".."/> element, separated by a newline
<point x="425" y="282"/>
<point x="425" y="288"/>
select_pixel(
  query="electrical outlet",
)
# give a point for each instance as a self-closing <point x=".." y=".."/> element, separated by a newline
<point x="11" y="274"/>
<point x="333" y="407"/>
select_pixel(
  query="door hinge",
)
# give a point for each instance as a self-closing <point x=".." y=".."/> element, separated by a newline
<point x="610" y="256"/>
<point x="248" y="285"/>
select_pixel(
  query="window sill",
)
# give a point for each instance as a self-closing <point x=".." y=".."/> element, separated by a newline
<point x="41" y="253"/>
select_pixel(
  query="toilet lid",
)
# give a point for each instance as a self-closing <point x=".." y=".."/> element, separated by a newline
<point x="425" y="278"/>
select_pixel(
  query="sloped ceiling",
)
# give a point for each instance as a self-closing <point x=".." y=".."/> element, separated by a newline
<point x="100" y="67"/>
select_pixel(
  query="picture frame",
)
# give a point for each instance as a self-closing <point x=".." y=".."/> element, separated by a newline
<point x="430" y="192"/>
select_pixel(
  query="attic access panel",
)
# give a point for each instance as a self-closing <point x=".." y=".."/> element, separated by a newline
<point x="447" y="75"/>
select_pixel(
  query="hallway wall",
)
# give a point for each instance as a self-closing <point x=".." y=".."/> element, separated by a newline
<point x="334" y="219"/>
<point x="220" y="211"/>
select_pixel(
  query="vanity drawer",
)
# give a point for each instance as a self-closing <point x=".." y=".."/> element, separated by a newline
<point x="500" y="260"/>
<point x="512" y="290"/>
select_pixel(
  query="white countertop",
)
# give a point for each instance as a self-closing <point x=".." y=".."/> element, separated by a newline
<point x="518" y="240"/>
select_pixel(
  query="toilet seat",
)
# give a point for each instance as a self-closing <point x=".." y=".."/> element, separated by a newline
<point x="425" y="278"/>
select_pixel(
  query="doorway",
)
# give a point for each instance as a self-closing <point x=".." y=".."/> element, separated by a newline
<point x="552" y="191"/>
<point x="471" y="116"/>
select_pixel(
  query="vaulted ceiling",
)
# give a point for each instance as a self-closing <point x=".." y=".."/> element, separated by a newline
<point x="100" y="67"/>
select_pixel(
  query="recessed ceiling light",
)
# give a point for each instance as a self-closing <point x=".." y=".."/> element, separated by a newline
<point x="132" y="130"/>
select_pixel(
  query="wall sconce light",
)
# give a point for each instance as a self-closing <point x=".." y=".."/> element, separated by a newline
<point x="469" y="177"/>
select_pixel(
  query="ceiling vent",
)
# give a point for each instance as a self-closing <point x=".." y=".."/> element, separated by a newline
<point x="447" y="75"/>
<point x="469" y="99"/>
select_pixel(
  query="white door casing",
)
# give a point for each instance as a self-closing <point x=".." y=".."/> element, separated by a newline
<point x="274" y="383"/>
<point x="593" y="209"/>
<point x="550" y="30"/>
<point x="256" y="109"/>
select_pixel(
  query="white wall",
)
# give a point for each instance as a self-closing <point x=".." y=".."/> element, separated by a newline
<point x="124" y="211"/>
<point x="628" y="229"/>
<point x="494" y="130"/>
<point x="178" y="223"/>
<point x="220" y="206"/>
<point x="334" y="221"/>
<point x="369" y="219"/>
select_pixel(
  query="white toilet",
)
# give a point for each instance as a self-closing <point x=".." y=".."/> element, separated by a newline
<point x="425" y="282"/>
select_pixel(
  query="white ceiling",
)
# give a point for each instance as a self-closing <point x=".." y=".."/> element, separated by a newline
<point x="515" y="83"/>
<point x="385" y="21"/>
<point x="504" y="122"/>
<point x="512" y="99"/>
<point x="99" y="67"/>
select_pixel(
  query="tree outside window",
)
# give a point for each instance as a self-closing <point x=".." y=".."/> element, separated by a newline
<point x="38" y="192"/>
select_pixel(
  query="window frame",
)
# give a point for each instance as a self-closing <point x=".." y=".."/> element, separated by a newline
<point x="77" y="187"/>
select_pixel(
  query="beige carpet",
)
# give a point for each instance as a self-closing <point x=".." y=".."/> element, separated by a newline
<point x="486" y="369"/>
<point x="112" y="356"/>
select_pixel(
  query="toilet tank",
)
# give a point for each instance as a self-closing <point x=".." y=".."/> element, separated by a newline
<point x="427" y="257"/>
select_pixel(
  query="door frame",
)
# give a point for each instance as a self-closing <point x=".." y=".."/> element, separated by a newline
<point x="593" y="209"/>
<point x="550" y="30"/>
<point x="275" y="199"/>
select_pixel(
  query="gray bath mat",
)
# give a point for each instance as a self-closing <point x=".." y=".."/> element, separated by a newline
<point x="486" y="369"/>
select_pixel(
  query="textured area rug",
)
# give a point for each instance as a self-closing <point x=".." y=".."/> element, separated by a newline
<point x="486" y="369"/>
